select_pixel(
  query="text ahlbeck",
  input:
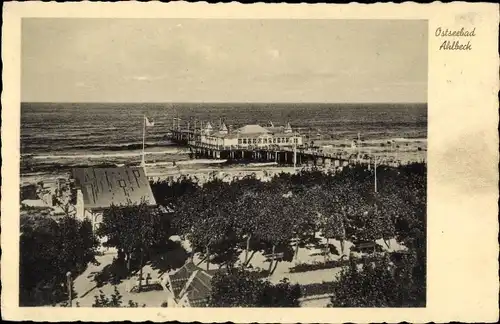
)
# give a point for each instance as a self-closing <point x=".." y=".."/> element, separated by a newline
<point x="455" y="46"/>
<point x="455" y="33"/>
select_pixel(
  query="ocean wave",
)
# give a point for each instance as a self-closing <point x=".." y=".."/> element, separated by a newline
<point x="41" y="147"/>
<point x="89" y="155"/>
<point x="79" y="137"/>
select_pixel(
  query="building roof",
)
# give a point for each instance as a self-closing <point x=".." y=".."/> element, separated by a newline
<point x="103" y="187"/>
<point x="208" y="126"/>
<point x="192" y="282"/>
<point x="179" y="279"/>
<point x="198" y="289"/>
<point x="252" y="129"/>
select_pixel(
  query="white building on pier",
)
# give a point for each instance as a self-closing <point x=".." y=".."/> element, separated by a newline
<point x="250" y="136"/>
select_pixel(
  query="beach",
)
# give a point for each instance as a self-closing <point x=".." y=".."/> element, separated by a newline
<point x="56" y="137"/>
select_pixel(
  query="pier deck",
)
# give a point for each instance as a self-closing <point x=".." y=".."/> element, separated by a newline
<point x="283" y="155"/>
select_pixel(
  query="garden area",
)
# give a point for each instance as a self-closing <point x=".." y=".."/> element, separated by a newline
<point x="257" y="234"/>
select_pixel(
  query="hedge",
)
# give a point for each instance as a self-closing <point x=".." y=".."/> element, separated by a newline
<point x="304" y="267"/>
<point x="325" y="287"/>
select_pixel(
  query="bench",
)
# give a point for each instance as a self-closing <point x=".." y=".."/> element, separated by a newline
<point x="277" y="256"/>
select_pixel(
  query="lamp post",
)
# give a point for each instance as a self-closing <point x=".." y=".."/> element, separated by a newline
<point x="70" y="288"/>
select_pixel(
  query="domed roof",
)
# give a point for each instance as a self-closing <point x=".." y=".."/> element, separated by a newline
<point x="252" y="129"/>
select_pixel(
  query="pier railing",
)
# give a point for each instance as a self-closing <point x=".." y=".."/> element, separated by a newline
<point x="304" y="151"/>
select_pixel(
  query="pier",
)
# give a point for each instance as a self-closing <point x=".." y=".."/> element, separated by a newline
<point x="279" y="144"/>
<point x="293" y="154"/>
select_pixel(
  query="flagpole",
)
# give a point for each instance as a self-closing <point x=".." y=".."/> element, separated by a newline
<point x="294" y="156"/>
<point x="143" y="163"/>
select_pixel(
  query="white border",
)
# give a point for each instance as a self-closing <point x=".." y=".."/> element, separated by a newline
<point x="462" y="162"/>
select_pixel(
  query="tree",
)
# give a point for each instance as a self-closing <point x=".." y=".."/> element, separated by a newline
<point x="115" y="300"/>
<point x="382" y="283"/>
<point x="236" y="289"/>
<point x="370" y="286"/>
<point x="48" y="250"/>
<point x="241" y="288"/>
<point x="303" y="219"/>
<point x="275" y="219"/>
<point x="133" y="229"/>
<point x="247" y="222"/>
<point x="332" y="217"/>
<point x="214" y="234"/>
<point x="167" y="193"/>
<point x="282" y="294"/>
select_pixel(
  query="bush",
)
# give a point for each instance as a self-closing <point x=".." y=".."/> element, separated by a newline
<point x="380" y="283"/>
<point x="115" y="300"/>
<point x="304" y="267"/>
<point x="48" y="250"/>
<point x="325" y="287"/>
<point x="241" y="288"/>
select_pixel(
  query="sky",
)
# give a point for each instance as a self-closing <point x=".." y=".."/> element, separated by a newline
<point x="229" y="60"/>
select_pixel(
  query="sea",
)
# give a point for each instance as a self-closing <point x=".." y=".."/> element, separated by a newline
<point x="58" y="136"/>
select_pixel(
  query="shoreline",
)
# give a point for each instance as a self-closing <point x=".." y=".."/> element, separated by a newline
<point x="174" y="161"/>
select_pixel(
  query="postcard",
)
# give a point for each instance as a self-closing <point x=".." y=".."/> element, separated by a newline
<point x="250" y="163"/>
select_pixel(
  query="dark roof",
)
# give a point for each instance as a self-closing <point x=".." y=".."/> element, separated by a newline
<point x="181" y="277"/>
<point x="194" y="281"/>
<point x="199" y="289"/>
<point x="102" y="187"/>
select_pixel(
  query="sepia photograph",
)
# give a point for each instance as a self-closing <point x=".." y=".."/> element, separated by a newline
<point x="223" y="163"/>
<point x="265" y="163"/>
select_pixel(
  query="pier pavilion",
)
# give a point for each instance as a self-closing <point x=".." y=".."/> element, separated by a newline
<point x="253" y="143"/>
<point x="250" y="136"/>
